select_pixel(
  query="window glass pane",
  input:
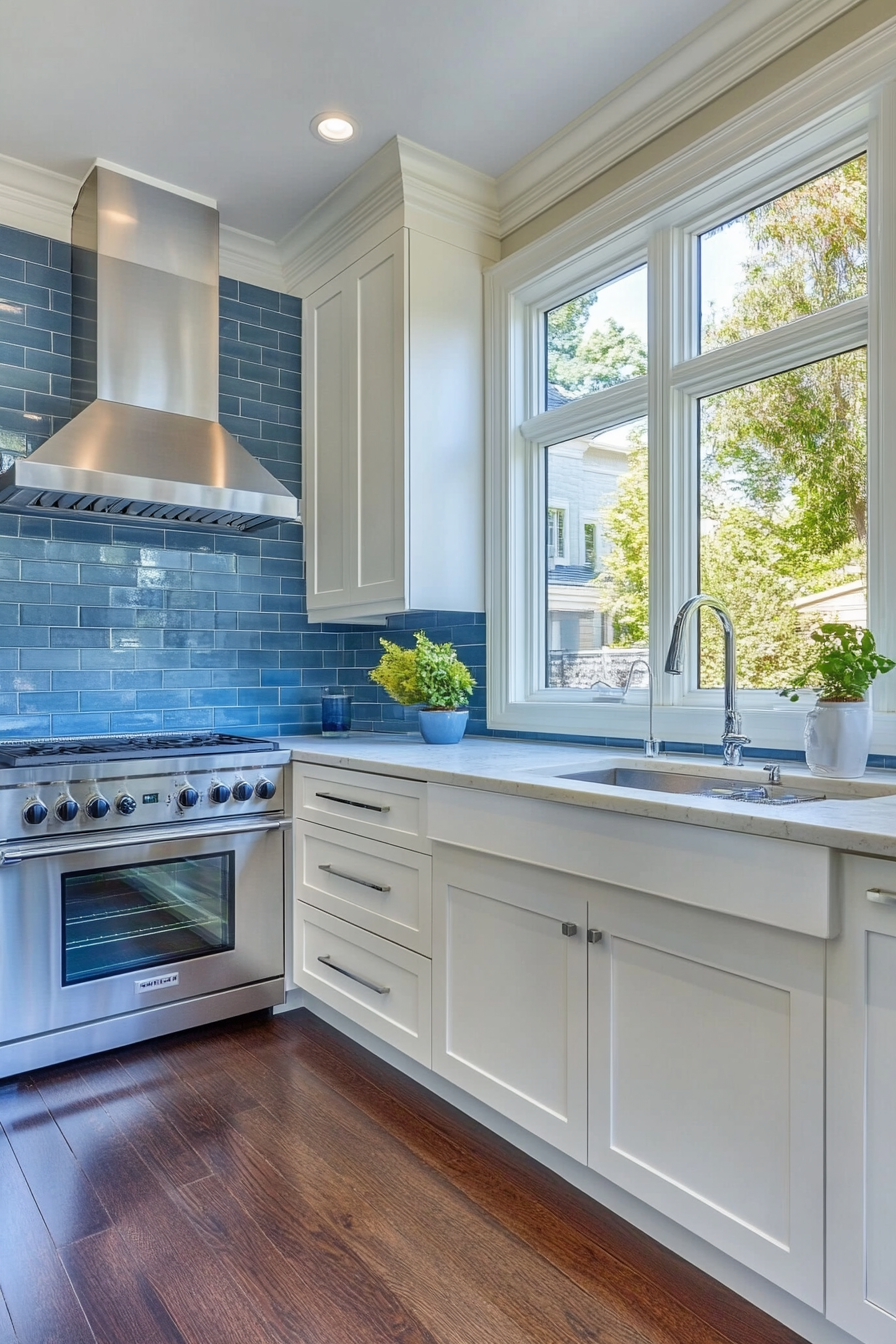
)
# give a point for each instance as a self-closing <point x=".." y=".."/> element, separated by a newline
<point x="596" y="556"/>
<point x="783" y="515"/>
<point x="597" y="340"/>
<point x="798" y="254"/>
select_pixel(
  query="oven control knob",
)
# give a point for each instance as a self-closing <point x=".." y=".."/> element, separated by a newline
<point x="242" y="791"/>
<point x="97" y="807"/>
<point x="219" y="793"/>
<point x="34" y="812"/>
<point x="67" y="809"/>
<point x="265" y="788"/>
<point x="187" y="796"/>
<point x="125" y="804"/>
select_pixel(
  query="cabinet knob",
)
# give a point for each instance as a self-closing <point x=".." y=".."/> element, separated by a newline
<point x="569" y="930"/>
<point x="594" y="935"/>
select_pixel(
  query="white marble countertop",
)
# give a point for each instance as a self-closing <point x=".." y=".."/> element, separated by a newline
<point x="858" y="822"/>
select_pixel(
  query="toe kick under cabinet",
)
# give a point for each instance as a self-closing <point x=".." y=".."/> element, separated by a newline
<point x="363" y="915"/>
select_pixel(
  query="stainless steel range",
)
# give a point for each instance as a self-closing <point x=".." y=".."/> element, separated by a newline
<point x="141" y="889"/>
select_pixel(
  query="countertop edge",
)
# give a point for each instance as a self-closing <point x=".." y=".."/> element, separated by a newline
<point x="858" y="827"/>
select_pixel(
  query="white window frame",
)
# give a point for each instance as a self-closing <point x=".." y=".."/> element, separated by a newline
<point x="590" y="520"/>
<point x="814" y="125"/>
<point x="561" y="509"/>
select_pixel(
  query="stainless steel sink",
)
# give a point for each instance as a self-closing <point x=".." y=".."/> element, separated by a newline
<point x="703" y="786"/>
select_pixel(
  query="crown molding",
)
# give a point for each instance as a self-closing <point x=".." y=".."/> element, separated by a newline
<point x="36" y="200"/>
<point x="367" y="196"/>
<point x="819" y="108"/>
<point x="402" y="177"/>
<point x="447" y="188"/>
<point x="245" y="256"/>
<point x="723" y="51"/>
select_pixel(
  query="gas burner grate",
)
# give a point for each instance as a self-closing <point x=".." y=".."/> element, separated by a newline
<point x="126" y="748"/>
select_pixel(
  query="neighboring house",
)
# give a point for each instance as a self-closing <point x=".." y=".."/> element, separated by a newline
<point x="583" y="478"/>
<point x="846" y="603"/>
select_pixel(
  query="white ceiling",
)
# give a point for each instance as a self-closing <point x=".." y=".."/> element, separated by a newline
<point x="216" y="95"/>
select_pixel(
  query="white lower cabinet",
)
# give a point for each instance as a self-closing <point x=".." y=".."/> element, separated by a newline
<point x="706" y="1077"/>
<point x="510" y="991"/>
<point x="376" y="983"/>
<point x="861" y="1174"/>
<point x="677" y="1050"/>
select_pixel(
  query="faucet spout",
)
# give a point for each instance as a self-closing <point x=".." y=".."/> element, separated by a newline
<point x="733" y="740"/>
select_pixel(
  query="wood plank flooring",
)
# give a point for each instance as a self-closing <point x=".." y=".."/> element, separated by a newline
<point x="265" y="1181"/>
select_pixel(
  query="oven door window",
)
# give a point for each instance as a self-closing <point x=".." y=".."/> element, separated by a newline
<point x="145" y="914"/>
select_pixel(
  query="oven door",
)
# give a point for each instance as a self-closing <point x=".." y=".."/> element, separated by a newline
<point x="94" y="928"/>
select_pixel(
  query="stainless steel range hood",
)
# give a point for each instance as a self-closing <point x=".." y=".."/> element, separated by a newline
<point x="144" y="441"/>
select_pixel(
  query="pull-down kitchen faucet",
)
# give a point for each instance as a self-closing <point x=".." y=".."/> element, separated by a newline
<point x="733" y="740"/>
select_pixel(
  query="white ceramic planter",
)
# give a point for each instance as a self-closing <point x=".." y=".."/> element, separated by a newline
<point x="838" y="738"/>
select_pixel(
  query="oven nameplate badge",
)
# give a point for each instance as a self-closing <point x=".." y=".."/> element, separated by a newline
<point x="157" y="982"/>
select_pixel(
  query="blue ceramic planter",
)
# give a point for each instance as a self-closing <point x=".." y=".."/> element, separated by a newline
<point x="442" y="727"/>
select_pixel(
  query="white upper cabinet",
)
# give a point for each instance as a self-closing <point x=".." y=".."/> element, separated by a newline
<point x="392" y="361"/>
<point x="355" y="420"/>
<point x="861" y="1220"/>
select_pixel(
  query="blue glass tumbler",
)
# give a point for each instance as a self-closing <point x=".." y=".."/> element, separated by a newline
<point x="335" y="712"/>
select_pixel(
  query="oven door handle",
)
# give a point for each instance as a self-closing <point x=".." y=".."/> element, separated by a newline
<point x="129" y="839"/>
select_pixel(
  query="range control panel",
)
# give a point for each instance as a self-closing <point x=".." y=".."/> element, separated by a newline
<point x="137" y="796"/>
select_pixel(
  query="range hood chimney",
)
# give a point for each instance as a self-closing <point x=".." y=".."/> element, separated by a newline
<point x="144" y="441"/>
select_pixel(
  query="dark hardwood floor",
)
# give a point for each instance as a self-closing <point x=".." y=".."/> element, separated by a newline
<point x="265" y="1181"/>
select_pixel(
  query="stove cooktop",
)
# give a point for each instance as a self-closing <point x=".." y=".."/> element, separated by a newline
<point x="127" y="748"/>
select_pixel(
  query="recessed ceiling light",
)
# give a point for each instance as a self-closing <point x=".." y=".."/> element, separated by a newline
<point x="334" y="127"/>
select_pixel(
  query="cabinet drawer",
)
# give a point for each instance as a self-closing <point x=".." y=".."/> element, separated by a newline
<point x="377" y="984"/>
<point x="376" y="806"/>
<point x="384" y="889"/>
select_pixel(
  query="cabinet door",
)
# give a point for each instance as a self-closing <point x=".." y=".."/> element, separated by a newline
<point x="328" y="418"/>
<point x="510" y="992"/>
<point x="355" y="435"/>
<point x="861" y="1289"/>
<point x="379" y="440"/>
<point x="706" y="1077"/>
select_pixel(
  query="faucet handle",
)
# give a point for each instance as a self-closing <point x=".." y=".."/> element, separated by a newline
<point x="774" y="773"/>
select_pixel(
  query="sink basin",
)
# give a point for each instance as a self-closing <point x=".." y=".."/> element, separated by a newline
<point x="703" y="786"/>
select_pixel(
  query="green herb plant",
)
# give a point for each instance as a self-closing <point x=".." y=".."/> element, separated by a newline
<point x="844" y="661"/>
<point x="430" y="674"/>
<point x="396" y="672"/>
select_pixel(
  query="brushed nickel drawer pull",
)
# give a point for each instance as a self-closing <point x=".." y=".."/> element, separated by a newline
<point x="347" y="877"/>
<point x="569" y="930"/>
<point x="352" y="802"/>
<point x="368" y="984"/>
<point x="881" y="897"/>
<point x="594" y="935"/>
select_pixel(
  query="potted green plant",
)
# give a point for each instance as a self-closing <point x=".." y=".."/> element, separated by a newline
<point x="842" y="665"/>
<point x="432" y="676"/>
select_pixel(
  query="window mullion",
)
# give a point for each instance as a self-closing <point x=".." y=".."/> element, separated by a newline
<point x="589" y="415"/>
<point x="663" y="516"/>
<point x="805" y="341"/>
<point x="881" y="391"/>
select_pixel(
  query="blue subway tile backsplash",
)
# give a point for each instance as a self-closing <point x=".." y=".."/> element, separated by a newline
<point x="125" y="629"/>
